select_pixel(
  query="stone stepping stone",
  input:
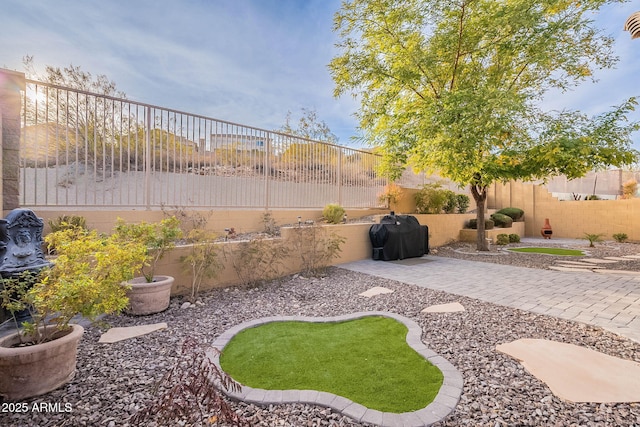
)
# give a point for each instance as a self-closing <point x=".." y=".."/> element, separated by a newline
<point x="573" y="269"/>
<point x="599" y="261"/>
<point x="616" y="258"/>
<point x="378" y="290"/>
<point x="444" y="308"/>
<point x="575" y="373"/>
<point x="631" y="256"/>
<point x="120" y="334"/>
<point x="611" y="271"/>
<point x="578" y="264"/>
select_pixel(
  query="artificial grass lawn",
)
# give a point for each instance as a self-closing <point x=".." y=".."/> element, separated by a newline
<point x="550" y="251"/>
<point x="366" y="360"/>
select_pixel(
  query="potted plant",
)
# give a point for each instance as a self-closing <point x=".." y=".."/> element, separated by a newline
<point x="86" y="279"/>
<point x="150" y="293"/>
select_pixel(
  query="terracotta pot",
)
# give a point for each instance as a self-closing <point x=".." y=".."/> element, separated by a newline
<point x="149" y="298"/>
<point x="37" y="369"/>
<point x="546" y="230"/>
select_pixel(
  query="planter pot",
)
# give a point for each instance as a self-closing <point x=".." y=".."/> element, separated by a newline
<point x="148" y="298"/>
<point x="37" y="369"/>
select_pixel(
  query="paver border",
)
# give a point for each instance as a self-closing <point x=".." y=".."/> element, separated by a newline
<point x="444" y="403"/>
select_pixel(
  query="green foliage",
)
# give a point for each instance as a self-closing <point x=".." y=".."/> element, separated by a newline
<point x="450" y="202"/>
<point x="620" y="237"/>
<point x="316" y="248"/>
<point x="157" y="237"/>
<point x="67" y="221"/>
<point x="473" y="224"/>
<point x="515" y="213"/>
<point x="269" y="224"/>
<point x="514" y="238"/>
<point x="593" y="238"/>
<point x="333" y="213"/>
<point x="502" y="239"/>
<point x="202" y="261"/>
<point x="309" y="126"/>
<point x="593" y="197"/>
<point x="462" y="202"/>
<point x="501" y="220"/>
<point x="454" y="87"/>
<point x="259" y="259"/>
<point x="86" y="279"/>
<point x="431" y="199"/>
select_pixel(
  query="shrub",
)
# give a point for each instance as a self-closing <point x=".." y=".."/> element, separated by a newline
<point x="593" y="197"/>
<point x="316" y="248"/>
<point x="620" y="237"/>
<point x="488" y="224"/>
<point x="450" y="202"/>
<point x="514" y="238"/>
<point x="65" y="222"/>
<point x="462" y="201"/>
<point x="333" y="213"/>
<point x="502" y="239"/>
<point x="202" y="261"/>
<point x="516" y="214"/>
<point x="259" y="259"/>
<point x="431" y="199"/>
<point x="502" y="220"/>
<point x="391" y="194"/>
<point x="593" y="238"/>
<point x="629" y="189"/>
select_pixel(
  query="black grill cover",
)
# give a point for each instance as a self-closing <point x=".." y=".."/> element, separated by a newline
<point x="399" y="237"/>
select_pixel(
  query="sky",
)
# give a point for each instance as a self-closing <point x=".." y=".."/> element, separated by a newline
<point x="243" y="61"/>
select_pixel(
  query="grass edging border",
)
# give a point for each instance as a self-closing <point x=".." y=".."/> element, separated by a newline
<point x="444" y="403"/>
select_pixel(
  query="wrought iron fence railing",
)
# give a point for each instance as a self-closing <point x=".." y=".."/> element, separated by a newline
<point x="83" y="149"/>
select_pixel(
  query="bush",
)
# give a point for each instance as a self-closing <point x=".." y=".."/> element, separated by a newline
<point x="502" y="239"/>
<point x="450" y="202"/>
<point x="431" y="199"/>
<point x="502" y="220"/>
<point x="514" y="238"/>
<point x="333" y="213"/>
<point x="620" y="237"/>
<point x="516" y="214"/>
<point x="488" y="224"/>
<point x="65" y="222"/>
<point x="462" y="201"/>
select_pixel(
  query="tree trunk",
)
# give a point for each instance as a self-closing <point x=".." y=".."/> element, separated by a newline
<point x="480" y="196"/>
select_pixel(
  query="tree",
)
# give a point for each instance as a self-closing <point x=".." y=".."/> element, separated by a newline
<point x="454" y="87"/>
<point x="309" y="126"/>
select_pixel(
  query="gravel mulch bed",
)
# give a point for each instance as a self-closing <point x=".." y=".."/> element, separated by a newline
<point x="500" y="254"/>
<point x="113" y="381"/>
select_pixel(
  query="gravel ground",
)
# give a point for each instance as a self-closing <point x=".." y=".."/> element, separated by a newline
<point x="113" y="381"/>
<point x="500" y="254"/>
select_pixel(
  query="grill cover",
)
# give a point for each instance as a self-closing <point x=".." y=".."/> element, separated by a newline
<point x="399" y="237"/>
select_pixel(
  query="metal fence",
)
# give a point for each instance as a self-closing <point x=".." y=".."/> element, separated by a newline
<point x="81" y="149"/>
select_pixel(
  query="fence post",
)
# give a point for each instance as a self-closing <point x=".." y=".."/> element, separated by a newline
<point x="267" y="169"/>
<point x="11" y="85"/>
<point x="339" y="178"/>
<point x="147" y="159"/>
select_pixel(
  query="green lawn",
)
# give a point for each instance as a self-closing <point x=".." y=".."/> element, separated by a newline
<point x="366" y="360"/>
<point x="550" y="251"/>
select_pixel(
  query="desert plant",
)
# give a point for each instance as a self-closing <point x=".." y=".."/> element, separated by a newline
<point x="514" y="238"/>
<point x="502" y="220"/>
<point x="269" y="224"/>
<point x="593" y="197"/>
<point x="158" y="238"/>
<point x="86" y="279"/>
<point x="516" y="214"/>
<point x="502" y="239"/>
<point x="333" y="213"/>
<point x="192" y="391"/>
<point x="620" y="237"/>
<point x="259" y="259"/>
<point x="202" y="261"/>
<point x="431" y="199"/>
<point x="629" y="189"/>
<point x="593" y="238"/>
<point x="450" y="202"/>
<point x="462" y="202"/>
<point x="391" y="194"/>
<point x="473" y="224"/>
<point x="316" y="248"/>
<point x="67" y="221"/>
